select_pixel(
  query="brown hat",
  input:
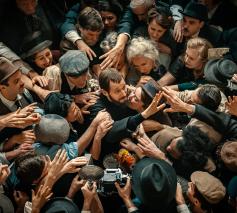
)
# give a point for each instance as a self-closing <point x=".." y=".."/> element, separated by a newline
<point x="6" y="69"/>
<point x="209" y="186"/>
<point x="165" y="135"/>
<point x="229" y="155"/>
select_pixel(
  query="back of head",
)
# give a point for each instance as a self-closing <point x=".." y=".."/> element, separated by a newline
<point x="154" y="183"/>
<point x="90" y="19"/>
<point x="29" y="167"/>
<point x="139" y="3"/>
<point x="52" y="129"/>
<point x="107" y="76"/>
<point x="210" y="96"/>
<point x="112" y="6"/>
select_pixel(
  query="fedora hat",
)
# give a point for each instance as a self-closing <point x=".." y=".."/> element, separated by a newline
<point x="60" y="204"/>
<point x="218" y="71"/>
<point x="154" y="183"/>
<point x="196" y="10"/>
<point x="52" y="129"/>
<point x="7" y="68"/>
<point x="33" y="44"/>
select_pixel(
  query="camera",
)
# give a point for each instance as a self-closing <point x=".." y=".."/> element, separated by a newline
<point x="106" y="183"/>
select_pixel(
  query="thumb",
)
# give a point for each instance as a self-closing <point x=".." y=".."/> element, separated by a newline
<point x="169" y="110"/>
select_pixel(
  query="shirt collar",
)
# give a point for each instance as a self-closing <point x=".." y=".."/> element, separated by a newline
<point x="10" y="104"/>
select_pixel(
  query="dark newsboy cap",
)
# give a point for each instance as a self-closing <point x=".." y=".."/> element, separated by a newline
<point x="196" y="10"/>
<point x="74" y="63"/>
<point x="6" y="69"/>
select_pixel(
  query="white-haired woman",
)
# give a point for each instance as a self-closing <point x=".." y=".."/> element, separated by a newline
<point x="143" y="57"/>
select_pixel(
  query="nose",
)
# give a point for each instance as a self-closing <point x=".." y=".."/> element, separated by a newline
<point x="106" y="21"/>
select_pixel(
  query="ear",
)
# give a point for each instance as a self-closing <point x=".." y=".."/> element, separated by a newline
<point x="105" y="93"/>
<point x="2" y="87"/>
<point x="196" y="202"/>
<point x="202" y="24"/>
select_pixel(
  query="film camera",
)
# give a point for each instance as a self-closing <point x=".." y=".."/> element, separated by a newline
<point x="105" y="179"/>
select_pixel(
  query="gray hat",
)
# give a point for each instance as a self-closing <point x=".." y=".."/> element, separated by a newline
<point x="218" y="71"/>
<point x="52" y="129"/>
<point x="74" y="63"/>
<point x="7" y="68"/>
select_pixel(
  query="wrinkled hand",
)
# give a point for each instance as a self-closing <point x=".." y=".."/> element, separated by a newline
<point x="27" y="136"/>
<point x="41" y="80"/>
<point x="111" y="58"/>
<point x="128" y="144"/>
<point x="85" y="110"/>
<point x="124" y="192"/>
<point x="150" y="149"/>
<point x="153" y="108"/>
<point x="24" y="148"/>
<point x="178" y="31"/>
<point x="86" y="98"/>
<point x="103" y="128"/>
<point x="40" y="198"/>
<point x="231" y="105"/>
<point x="176" y="104"/>
<point x="102" y="115"/>
<point x="4" y="172"/>
<point x="74" y="165"/>
<point x="81" y="45"/>
<point x="144" y="79"/>
<point x="20" y="198"/>
<point x="75" y="186"/>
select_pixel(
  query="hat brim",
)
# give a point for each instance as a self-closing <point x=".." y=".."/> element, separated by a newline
<point x="37" y="48"/>
<point x="192" y="16"/>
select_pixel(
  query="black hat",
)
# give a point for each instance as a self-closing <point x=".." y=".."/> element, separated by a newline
<point x="218" y="71"/>
<point x="33" y="44"/>
<point x="57" y="103"/>
<point x="60" y="204"/>
<point x="151" y="88"/>
<point x="154" y="183"/>
<point x="196" y="10"/>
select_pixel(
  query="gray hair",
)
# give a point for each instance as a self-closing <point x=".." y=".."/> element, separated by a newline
<point x="137" y="3"/>
<point x="109" y="42"/>
<point x="142" y="47"/>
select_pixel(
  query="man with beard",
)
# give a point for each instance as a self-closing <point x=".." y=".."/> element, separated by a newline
<point x="113" y="98"/>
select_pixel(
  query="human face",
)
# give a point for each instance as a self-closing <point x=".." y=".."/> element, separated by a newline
<point x="28" y="7"/>
<point x="194" y="97"/>
<point x="134" y="99"/>
<point x="143" y="64"/>
<point x="192" y="59"/>
<point x="44" y="58"/>
<point x="90" y="37"/>
<point x="191" y="26"/>
<point x="117" y="92"/>
<point x="73" y="113"/>
<point x="15" y="86"/>
<point x="155" y="31"/>
<point x="80" y="81"/>
<point x="109" y="20"/>
<point x="172" y="148"/>
<point x="141" y="12"/>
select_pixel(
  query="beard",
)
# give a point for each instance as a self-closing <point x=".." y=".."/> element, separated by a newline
<point x="121" y="102"/>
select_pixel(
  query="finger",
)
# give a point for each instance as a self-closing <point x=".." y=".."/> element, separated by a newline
<point x="162" y="106"/>
<point x="92" y="53"/>
<point x="89" y="55"/>
<point x="169" y="110"/>
<point x="105" y="55"/>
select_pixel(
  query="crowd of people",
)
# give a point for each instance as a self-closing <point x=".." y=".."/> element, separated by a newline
<point x="149" y="84"/>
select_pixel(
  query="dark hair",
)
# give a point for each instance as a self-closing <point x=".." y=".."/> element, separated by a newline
<point x="88" y="3"/>
<point x="163" y="19"/>
<point x="29" y="167"/>
<point x="210" y="96"/>
<point x="205" y="205"/>
<point x="109" y="74"/>
<point x="90" y="19"/>
<point x="195" y="147"/>
<point x="112" y="6"/>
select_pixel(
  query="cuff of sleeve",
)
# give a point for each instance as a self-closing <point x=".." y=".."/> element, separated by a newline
<point x="3" y="158"/>
<point x="127" y="34"/>
<point x="72" y="36"/>
<point x="131" y="209"/>
<point x="182" y="208"/>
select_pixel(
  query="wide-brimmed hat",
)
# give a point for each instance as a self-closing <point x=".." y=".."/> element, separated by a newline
<point x="196" y="10"/>
<point x="154" y="183"/>
<point x="60" y="204"/>
<point x="34" y="43"/>
<point x="209" y="186"/>
<point x="52" y="129"/>
<point x="229" y="155"/>
<point x="218" y="71"/>
<point x="7" y="68"/>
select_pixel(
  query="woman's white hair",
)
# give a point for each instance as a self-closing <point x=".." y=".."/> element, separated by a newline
<point x="142" y="47"/>
<point x="137" y="3"/>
